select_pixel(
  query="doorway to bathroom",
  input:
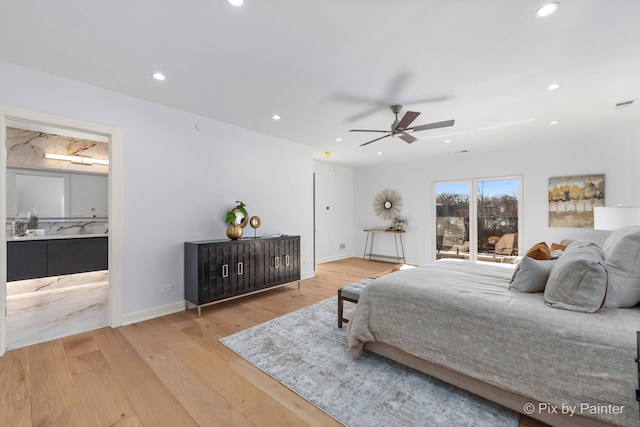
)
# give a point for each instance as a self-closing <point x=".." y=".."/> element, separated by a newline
<point x="60" y="189"/>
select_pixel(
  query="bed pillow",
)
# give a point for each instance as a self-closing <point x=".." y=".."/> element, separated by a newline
<point x="622" y="260"/>
<point x="539" y="251"/>
<point x="556" y="250"/>
<point x="531" y="275"/>
<point x="578" y="279"/>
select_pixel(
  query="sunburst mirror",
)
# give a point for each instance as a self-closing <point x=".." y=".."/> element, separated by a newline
<point x="387" y="204"/>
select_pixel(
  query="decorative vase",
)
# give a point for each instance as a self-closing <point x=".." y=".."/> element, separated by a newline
<point x="398" y="227"/>
<point x="234" y="231"/>
<point x="32" y="219"/>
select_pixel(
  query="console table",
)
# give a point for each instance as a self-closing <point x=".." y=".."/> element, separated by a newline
<point x="398" y="238"/>
<point x="219" y="270"/>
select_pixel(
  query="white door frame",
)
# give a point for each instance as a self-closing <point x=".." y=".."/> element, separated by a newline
<point x="12" y="115"/>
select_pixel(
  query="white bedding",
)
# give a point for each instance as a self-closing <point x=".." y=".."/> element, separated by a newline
<point x="461" y="315"/>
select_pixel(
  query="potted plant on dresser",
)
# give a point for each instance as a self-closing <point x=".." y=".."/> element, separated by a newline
<point x="237" y="218"/>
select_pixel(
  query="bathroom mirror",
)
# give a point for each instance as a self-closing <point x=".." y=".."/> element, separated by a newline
<point x="56" y="194"/>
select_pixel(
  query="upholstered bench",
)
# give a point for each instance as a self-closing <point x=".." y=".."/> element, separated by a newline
<point x="351" y="293"/>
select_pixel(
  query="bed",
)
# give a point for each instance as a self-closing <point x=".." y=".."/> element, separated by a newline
<point x="529" y="350"/>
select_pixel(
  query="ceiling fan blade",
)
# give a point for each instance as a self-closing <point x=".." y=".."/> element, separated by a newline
<point x="432" y="126"/>
<point x="427" y="100"/>
<point x="374" y="140"/>
<point x="406" y="120"/>
<point x="407" y="138"/>
<point x="362" y="115"/>
<point x="367" y="130"/>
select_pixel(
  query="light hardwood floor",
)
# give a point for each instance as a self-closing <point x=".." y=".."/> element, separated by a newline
<point x="170" y="371"/>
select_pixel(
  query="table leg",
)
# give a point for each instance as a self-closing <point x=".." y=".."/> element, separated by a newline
<point x="395" y="240"/>
<point x="365" y="246"/>
<point x="371" y="246"/>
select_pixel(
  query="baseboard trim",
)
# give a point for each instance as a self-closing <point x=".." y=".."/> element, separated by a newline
<point x="141" y="316"/>
<point x="308" y="275"/>
<point x="335" y="258"/>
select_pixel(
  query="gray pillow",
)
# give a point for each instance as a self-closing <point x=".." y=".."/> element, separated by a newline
<point x="531" y="275"/>
<point x="578" y="279"/>
<point x="622" y="260"/>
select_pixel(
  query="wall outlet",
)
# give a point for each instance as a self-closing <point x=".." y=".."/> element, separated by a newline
<point x="343" y="245"/>
<point x="166" y="288"/>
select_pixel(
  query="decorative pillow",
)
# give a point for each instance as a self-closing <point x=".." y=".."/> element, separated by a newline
<point x="539" y="251"/>
<point x="556" y="250"/>
<point x="578" y="279"/>
<point x="531" y="275"/>
<point x="556" y="254"/>
<point x="622" y="260"/>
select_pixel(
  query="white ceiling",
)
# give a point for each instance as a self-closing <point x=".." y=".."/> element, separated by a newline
<point x="327" y="66"/>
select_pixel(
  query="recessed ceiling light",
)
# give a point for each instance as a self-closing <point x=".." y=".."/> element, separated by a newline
<point x="236" y="2"/>
<point x="554" y="122"/>
<point x="338" y="139"/>
<point x="275" y="117"/>
<point x="547" y="9"/>
<point x="446" y="141"/>
<point x="379" y="152"/>
<point x="158" y="76"/>
<point x="553" y="86"/>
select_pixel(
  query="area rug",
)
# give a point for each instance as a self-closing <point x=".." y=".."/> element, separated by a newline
<point x="307" y="352"/>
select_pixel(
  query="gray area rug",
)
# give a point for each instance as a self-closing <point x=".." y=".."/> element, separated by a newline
<point x="305" y="351"/>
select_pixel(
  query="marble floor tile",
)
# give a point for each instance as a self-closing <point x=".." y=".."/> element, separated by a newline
<point x="44" y="315"/>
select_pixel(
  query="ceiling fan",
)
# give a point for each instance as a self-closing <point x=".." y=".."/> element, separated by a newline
<point x="400" y="129"/>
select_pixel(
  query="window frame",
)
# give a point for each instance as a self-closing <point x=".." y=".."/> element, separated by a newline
<point x="473" y="211"/>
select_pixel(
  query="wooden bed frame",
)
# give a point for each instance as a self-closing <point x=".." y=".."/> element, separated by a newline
<point x="507" y="398"/>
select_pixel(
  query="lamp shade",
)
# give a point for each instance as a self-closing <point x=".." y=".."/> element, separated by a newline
<point x="615" y="218"/>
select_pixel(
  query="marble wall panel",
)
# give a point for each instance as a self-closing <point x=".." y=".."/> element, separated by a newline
<point x="26" y="148"/>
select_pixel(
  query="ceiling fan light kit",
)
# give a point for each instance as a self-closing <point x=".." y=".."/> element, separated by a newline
<point x="400" y="128"/>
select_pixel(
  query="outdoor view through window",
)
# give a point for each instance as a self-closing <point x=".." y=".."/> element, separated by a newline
<point x="477" y="224"/>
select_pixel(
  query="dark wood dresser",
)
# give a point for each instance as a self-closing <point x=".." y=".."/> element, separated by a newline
<point x="218" y="270"/>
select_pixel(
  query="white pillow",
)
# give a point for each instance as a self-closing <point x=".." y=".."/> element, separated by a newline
<point x="531" y="275"/>
<point x="622" y="260"/>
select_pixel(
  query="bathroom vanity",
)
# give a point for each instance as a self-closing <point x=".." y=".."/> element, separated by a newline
<point x="44" y="256"/>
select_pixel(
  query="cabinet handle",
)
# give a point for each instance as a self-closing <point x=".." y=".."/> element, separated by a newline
<point x="225" y="270"/>
<point x="286" y="260"/>
<point x="276" y="262"/>
<point x="240" y="269"/>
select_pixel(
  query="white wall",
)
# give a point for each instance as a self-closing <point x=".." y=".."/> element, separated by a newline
<point x="612" y="151"/>
<point x="334" y="212"/>
<point x="178" y="181"/>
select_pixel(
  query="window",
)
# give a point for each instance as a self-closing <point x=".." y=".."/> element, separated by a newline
<point x="478" y="219"/>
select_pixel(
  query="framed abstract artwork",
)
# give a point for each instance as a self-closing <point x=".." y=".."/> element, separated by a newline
<point x="572" y="199"/>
